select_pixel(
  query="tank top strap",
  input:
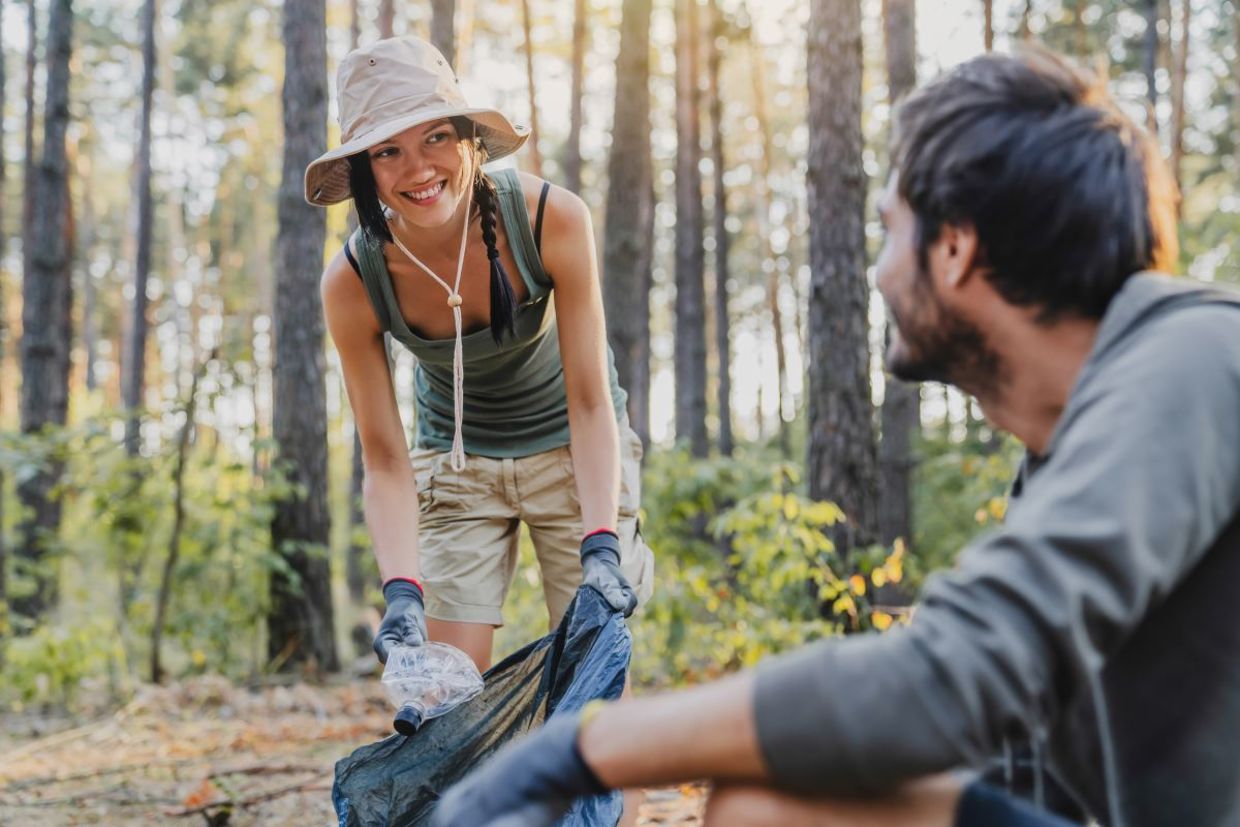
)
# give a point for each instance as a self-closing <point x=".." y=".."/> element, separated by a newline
<point x="375" y="278"/>
<point x="516" y="216"/>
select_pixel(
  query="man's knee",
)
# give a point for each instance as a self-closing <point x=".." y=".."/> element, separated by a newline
<point x="744" y="805"/>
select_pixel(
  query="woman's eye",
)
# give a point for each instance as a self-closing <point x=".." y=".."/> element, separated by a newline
<point x="438" y="138"/>
<point x="384" y="153"/>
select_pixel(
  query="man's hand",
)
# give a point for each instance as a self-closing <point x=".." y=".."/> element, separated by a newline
<point x="600" y="569"/>
<point x="529" y="783"/>
<point x="404" y="622"/>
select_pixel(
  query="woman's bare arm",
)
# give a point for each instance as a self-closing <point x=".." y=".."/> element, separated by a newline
<point x="570" y="259"/>
<point x="389" y="493"/>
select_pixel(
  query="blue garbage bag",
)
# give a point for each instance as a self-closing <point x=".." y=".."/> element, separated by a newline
<point x="397" y="781"/>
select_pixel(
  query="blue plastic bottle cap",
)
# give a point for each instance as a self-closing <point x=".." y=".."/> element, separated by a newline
<point x="407" y="720"/>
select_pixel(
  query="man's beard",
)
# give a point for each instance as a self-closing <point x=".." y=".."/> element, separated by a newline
<point x="940" y="345"/>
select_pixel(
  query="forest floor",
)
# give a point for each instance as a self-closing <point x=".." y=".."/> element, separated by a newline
<point x="207" y="751"/>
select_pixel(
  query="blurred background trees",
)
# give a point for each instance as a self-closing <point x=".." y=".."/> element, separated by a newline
<point x="178" y="476"/>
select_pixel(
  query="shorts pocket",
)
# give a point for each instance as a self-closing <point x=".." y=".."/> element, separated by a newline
<point x="425" y="464"/>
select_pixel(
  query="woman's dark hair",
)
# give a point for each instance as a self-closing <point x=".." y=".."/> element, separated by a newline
<point x="1068" y="197"/>
<point x="373" y="221"/>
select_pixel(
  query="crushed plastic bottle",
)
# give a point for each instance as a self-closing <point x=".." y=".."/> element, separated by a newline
<point x="426" y="681"/>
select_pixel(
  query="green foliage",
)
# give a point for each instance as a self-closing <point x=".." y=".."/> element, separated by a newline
<point x="959" y="490"/>
<point x="744" y="568"/>
<point x="52" y="665"/>
<point x="114" y="541"/>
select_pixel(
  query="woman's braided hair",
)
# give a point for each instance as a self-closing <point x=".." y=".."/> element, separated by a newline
<point x="374" y="223"/>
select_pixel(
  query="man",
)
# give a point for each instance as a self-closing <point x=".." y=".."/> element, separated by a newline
<point x="1098" y="622"/>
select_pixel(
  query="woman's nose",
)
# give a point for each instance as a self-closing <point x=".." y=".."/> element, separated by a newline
<point x="419" y="167"/>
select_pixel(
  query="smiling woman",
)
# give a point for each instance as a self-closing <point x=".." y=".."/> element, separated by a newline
<point x="490" y="276"/>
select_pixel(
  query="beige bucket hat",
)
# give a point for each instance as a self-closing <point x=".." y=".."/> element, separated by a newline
<point x="388" y="87"/>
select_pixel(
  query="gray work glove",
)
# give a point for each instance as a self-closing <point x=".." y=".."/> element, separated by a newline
<point x="404" y="622"/>
<point x="529" y="783"/>
<point x="600" y="570"/>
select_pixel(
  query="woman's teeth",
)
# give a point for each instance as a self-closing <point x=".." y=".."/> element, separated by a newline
<point x="423" y="195"/>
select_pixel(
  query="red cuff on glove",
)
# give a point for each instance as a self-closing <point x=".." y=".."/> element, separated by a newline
<point x="406" y="580"/>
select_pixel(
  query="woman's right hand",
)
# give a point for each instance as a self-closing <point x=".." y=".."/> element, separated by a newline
<point x="404" y="622"/>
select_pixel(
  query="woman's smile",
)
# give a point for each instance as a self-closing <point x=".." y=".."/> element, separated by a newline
<point x="425" y="196"/>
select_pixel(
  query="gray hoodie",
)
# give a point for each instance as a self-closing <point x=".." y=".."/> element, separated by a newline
<point x="1100" y="620"/>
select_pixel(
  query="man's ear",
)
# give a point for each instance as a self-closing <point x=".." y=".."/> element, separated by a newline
<point x="954" y="256"/>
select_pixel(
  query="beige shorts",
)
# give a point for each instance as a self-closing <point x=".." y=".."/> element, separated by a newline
<point x="469" y="522"/>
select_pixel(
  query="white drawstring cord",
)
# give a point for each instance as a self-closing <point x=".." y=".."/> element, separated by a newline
<point x="454" y="301"/>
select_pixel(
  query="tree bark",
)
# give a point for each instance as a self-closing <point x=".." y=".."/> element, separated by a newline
<point x="90" y="322"/>
<point x="1149" y="63"/>
<point x="723" y="328"/>
<point x="29" y="164"/>
<point x="4" y="336"/>
<point x="629" y="224"/>
<point x="354" y="569"/>
<point x="901" y="410"/>
<point x="46" y="300"/>
<point x="572" y="149"/>
<point x="690" y="332"/>
<point x="763" y="184"/>
<point x="386" y="19"/>
<point x="300" y="623"/>
<point x="1235" y="86"/>
<point x="1178" y="79"/>
<point x="135" y="351"/>
<point x="178" y="523"/>
<point x="443" y="28"/>
<point x="988" y="25"/>
<point x="841" y="462"/>
<point x="526" y="25"/>
<point x="1023" y="29"/>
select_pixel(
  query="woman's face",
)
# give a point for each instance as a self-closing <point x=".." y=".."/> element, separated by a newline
<point x="421" y="173"/>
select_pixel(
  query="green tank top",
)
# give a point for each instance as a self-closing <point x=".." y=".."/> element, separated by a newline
<point x="515" y="404"/>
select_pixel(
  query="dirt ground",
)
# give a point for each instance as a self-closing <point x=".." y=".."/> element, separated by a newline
<point x="206" y="751"/>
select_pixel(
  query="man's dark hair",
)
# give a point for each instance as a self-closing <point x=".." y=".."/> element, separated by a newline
<point x="1068" y="197"/>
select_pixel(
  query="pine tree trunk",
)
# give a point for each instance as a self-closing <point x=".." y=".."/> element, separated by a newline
<point x="443" y="28"/>
<point x="690" y="332"/>
<point x="841" y="462"/>
<point x="164" y="595"/>
<point x="29" y="163"/>
<point x="135" y="367"/>
<point x="723" y="328"/>
<point x="4" y="337"/>
<point x="1149" y="63"/>
<point x="355" y="577"/>
<point x="387" y="19"/>
<point x="532" y="143"/>
<point x="763" y="182"/>
<point x="90" y="323"/>
<point x="988" y="25"/>
<point x="1178" y="79"/>
<point x="46" y="300"/>
<point x="628" y="237"/>
<point x="572" y="149"/>
<point x="300" y="623"/>
<point x="464" y="44"/>
<point x="901" y="411"/>
<point x="1235" y="90"/>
